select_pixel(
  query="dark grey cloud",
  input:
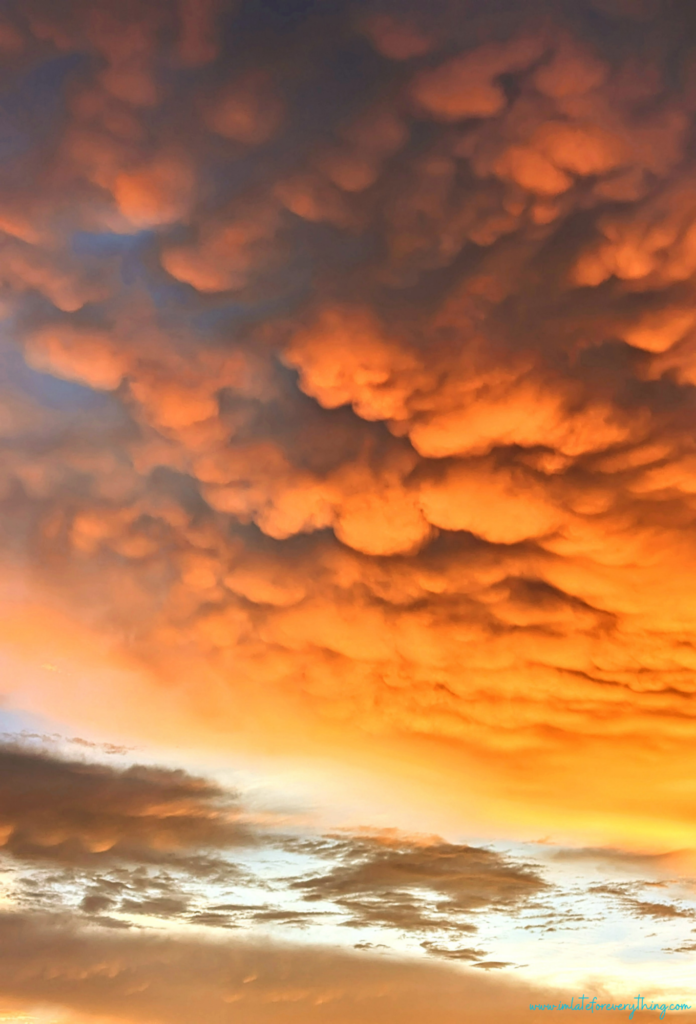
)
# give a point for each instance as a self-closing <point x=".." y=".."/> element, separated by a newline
<point x="228" y="878"/>
<point x="465" y="954"/>
<point x="117" y="844"/>
<point x="421" y="886"/>
<point x="78" y="812"/>
<point x="628" y="895"/>
<point x="492" y="965"/>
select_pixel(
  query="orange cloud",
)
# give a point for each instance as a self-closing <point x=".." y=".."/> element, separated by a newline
<point x="96" y="978"/>
<point x="248" y="110"/>
<point x="411" y="455"/>
<point x="155" y="194"/>
<point x="227" y="254"/>
<point x="198" y="20"/>
<point x="396" y="39"/>
<point x="89" y="357"/>
<point x="465" y="86"/>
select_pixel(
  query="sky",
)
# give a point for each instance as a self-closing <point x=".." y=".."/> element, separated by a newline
<point x="347" y="511"/>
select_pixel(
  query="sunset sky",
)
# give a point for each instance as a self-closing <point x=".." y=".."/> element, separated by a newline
<point x="347" y="510"/>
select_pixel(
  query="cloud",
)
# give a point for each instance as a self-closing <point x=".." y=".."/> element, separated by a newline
<point x="392" y="373"/>
<point x="623" y="860"/>
<point x="161" y="843"/>
<point x="136" y="977"/>
<point x="77" y="812"/>
<point x="188" y="867"/>
<point x="247" y="110"/>
<point x="465" y="954"/>
<point x="87" y="357"/>
<point x="422" y="885"/>
<point x="625" y="893"/>
<point x="467" y="86"/>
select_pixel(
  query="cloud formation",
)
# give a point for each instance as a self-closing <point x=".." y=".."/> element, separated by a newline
<point x="368" y="390"/>
<point x="139" y="840"/>
<point x="422" y="885"/>
<point x="194" y="898"/>
<point x="143" y="978"/>
<point x="77" y="812"/>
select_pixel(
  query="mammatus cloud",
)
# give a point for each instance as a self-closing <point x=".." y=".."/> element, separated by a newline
<point x="350" y="362"/>
<point x="346" y="409"/>
<point x="76" y="812"/>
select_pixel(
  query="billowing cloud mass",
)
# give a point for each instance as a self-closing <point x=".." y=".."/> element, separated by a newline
<point x="349" y="366"/>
